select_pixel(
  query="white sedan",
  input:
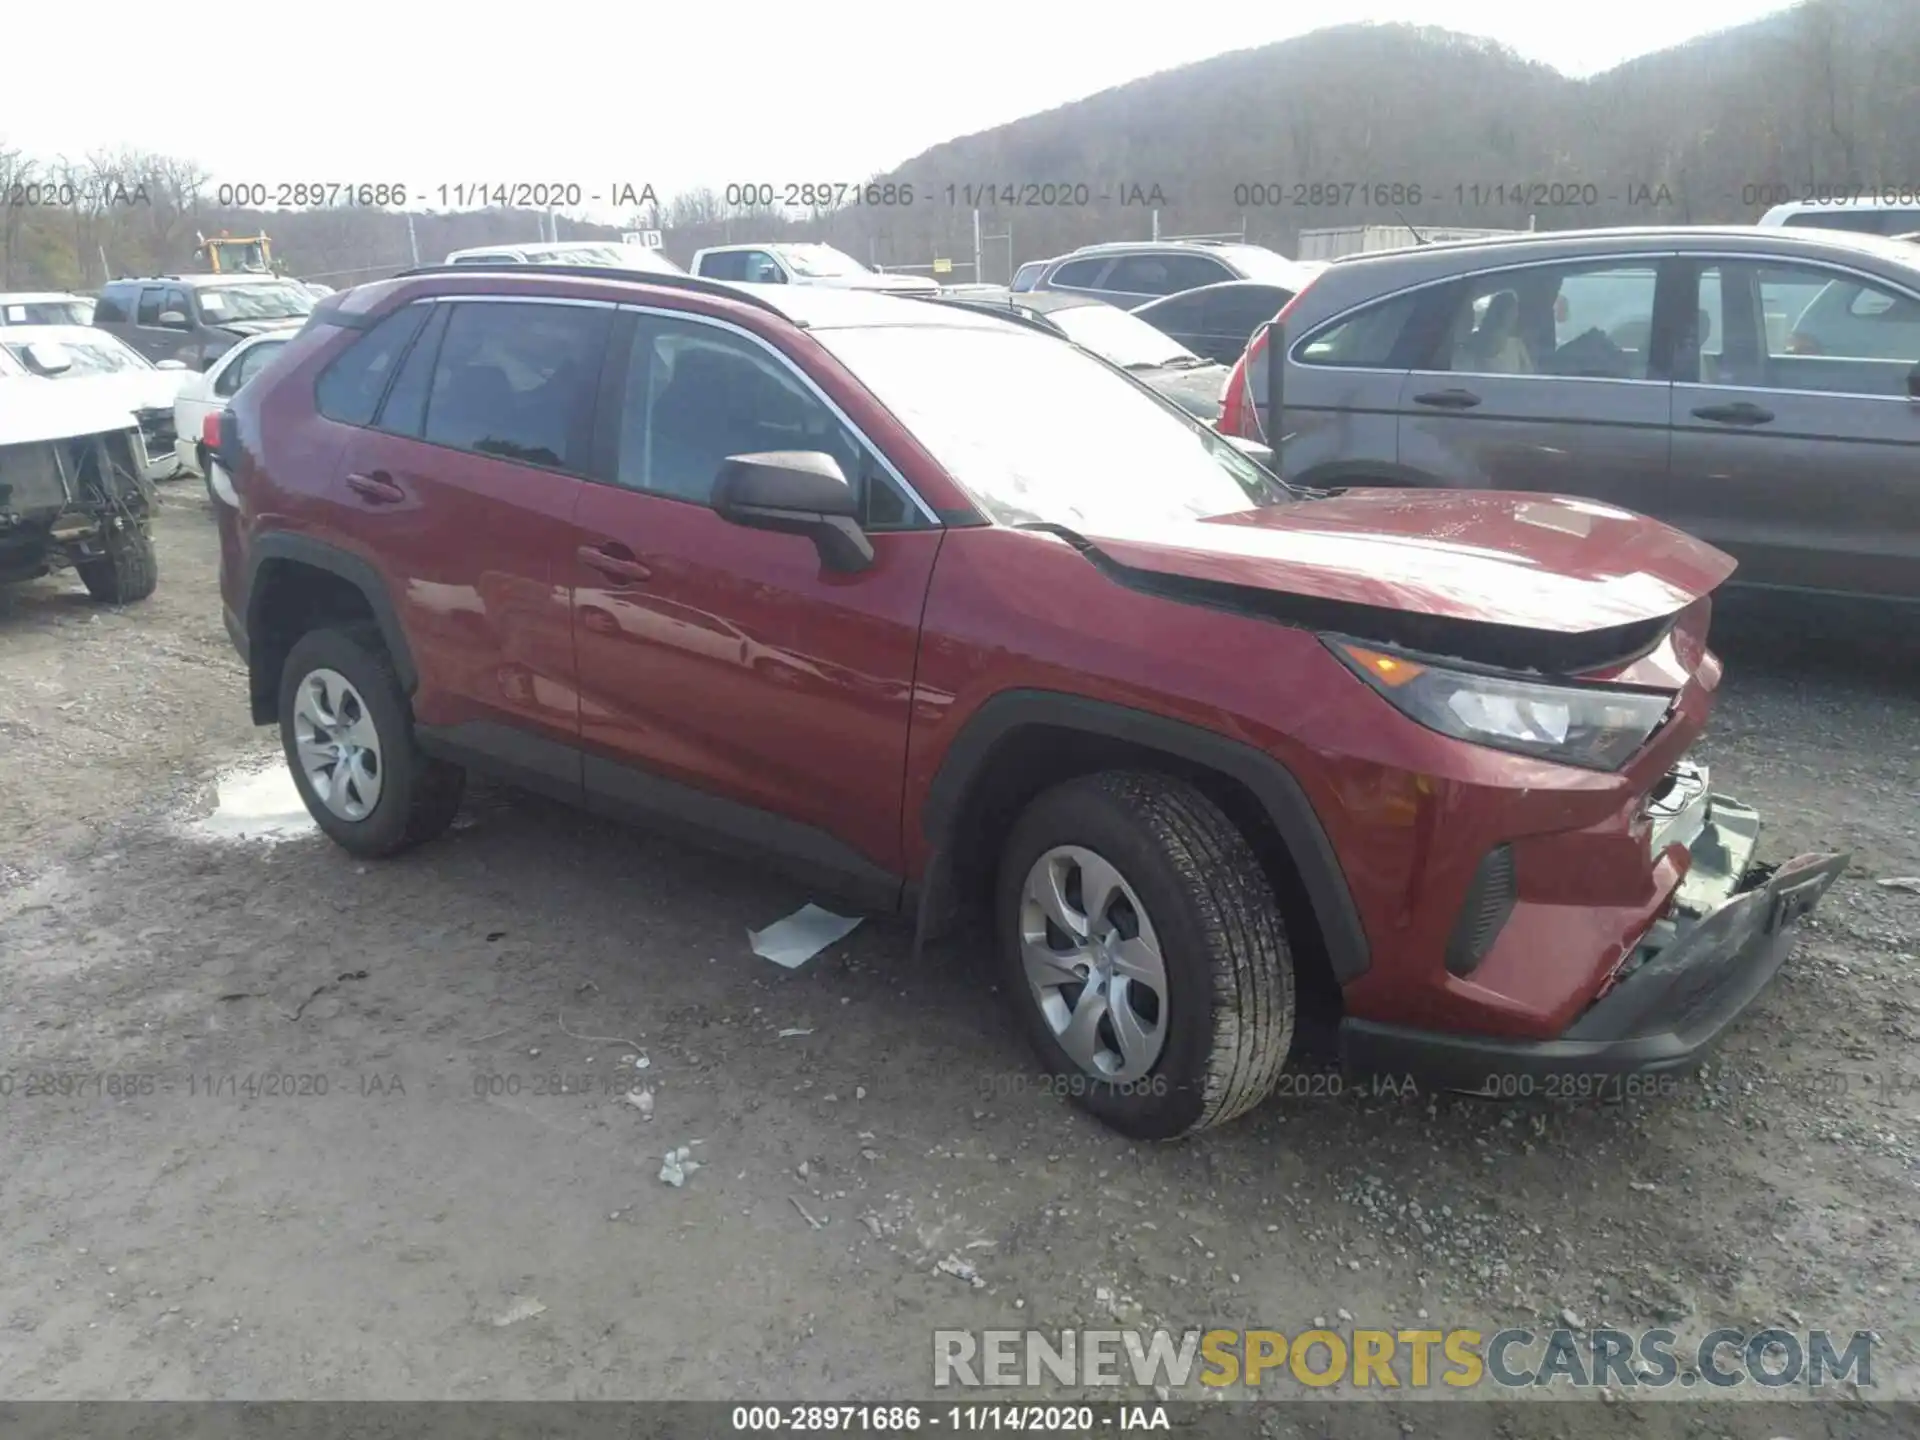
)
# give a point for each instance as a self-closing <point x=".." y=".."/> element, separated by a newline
<point x="206" y="394"/>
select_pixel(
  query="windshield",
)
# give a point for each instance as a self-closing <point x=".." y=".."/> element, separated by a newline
<point x="46" y="312"/>
<point x="819" y="261"/>
<point x="94" y="355"/>
<point x="987" y="403"/>
<point x="1124" y="339"/>
<point x="255" y="302"/>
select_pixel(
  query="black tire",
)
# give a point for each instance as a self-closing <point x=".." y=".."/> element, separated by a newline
<point x="1229" y="971"/>
<point x="128" y="570"/>
<point x="419" y="795"/>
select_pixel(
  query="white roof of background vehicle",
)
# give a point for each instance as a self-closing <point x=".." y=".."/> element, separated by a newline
<point x="37" y="297"/>
<point x="1778" y="214"/>
<point x="556" y="253"/>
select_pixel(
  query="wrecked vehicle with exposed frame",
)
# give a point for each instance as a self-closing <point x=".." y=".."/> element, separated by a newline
<point x="73" y="488"/>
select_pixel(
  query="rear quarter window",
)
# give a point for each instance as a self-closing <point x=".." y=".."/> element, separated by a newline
<point x="111" y="307"/>
<point x="351" y="386"/>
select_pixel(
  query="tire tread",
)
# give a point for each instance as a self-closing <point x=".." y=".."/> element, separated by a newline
<point x="1248" y="956"/>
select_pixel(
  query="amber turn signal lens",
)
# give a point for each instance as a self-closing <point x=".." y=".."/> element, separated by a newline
<point x="1387" y="669"/>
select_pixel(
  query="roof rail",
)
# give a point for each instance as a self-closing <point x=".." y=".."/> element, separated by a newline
<point x="694" y="283"/>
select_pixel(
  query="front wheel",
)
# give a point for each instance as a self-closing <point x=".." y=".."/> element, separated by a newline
<point x="126" y="570"/>
<point x="1143" y="948"/>
<point x="347" y="730"/>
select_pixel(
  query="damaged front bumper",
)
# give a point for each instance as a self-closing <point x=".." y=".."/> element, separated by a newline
<point x="1719" y="942"/>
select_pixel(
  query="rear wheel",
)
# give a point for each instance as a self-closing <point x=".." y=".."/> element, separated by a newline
<point x="347" y="730"/>
<point x="126" y="570"/>
<point x="1143" y="949"/>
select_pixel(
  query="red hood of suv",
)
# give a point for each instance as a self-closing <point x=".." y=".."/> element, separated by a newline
<point x="1541" y="562"/>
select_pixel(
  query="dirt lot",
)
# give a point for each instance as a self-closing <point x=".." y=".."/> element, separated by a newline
<point x="471" y="1012"/>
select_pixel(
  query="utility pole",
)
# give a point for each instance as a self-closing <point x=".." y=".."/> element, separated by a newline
<point x="979" y="276"/>
<point x="413" y="241"/>
<point x="1156" y="225"/>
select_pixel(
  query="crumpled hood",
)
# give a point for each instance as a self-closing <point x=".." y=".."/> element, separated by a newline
<point x="1540" y="562"/>
<point x="1195" y="390"/>
<point x="136" y="389"/>
<point x="34" y="409"/>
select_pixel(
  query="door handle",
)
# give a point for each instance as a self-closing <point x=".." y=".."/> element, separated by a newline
<point x="1448" y="399"/>
<point x="1740" y="414"/>
<point x="376" y="486"/>
<point x="615" y="567"/>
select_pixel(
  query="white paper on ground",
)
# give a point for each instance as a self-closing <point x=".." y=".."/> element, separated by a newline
<point x="801" y="936"/>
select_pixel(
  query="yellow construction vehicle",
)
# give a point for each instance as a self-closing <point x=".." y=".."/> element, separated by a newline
<point x="236" y="255"/>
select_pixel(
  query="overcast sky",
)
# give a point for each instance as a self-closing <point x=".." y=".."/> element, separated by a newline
<point x="677" y="95"/>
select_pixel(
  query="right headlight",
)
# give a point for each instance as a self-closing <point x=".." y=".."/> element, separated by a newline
<point x="1599" y="727"/>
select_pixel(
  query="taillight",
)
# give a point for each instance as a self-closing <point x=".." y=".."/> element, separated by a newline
<point x="1237" y="415"/>
<point x="210" y="432"/>
<point x="1239" y="408"/>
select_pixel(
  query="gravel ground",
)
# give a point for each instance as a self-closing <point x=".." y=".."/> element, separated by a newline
<point x="472" y="1210"/>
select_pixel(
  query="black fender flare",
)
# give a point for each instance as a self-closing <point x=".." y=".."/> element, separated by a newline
<point x="356" y="571"/>
<point x="1269" y="780"/>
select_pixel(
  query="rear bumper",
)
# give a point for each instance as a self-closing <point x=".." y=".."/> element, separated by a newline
<point x="1692" y="976"/>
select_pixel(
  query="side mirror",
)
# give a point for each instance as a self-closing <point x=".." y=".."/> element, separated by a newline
<point x="173" y="319"/>
<point x="797" y="492"/>
<point x="49" y="357"/>
<point x="170" y="365"/>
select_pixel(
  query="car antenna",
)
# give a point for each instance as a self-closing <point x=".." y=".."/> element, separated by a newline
<point x="1418" y="238"/>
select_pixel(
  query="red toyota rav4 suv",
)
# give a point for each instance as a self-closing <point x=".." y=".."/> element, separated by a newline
<point x="944" y="612"/>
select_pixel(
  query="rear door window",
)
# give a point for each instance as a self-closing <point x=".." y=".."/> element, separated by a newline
<point x="516" y="381"/>
<point x="1592" y="320"/>
<point x="1080" y="274"/>
<point x="350" y="388"/>
<point x="111" y="307"/>
<point x="150" y="306"/>
<point x="405" y="409"/>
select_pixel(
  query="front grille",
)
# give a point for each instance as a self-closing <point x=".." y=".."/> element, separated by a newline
<point x="1488" y="904"/>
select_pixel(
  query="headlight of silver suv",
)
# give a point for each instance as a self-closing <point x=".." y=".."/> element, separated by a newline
<point x="1596" y="726"/>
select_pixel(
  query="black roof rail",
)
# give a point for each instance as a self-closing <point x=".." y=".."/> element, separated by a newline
<point x="694" y="283"/>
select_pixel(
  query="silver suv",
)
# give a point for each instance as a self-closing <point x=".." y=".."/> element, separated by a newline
<point x="1756" y="387"/>
<point x="1130" y="273"/>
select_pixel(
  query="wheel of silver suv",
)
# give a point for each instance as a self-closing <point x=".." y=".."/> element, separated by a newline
<point x="1144" y="953"/>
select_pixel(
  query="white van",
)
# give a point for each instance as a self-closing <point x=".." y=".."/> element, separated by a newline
<point x="1896" y="213"/>
<point x="610" y="253"/>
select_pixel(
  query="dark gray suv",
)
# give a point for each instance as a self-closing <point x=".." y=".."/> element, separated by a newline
<point x="1757" y="387"/>
<point x="198" y="318"/>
